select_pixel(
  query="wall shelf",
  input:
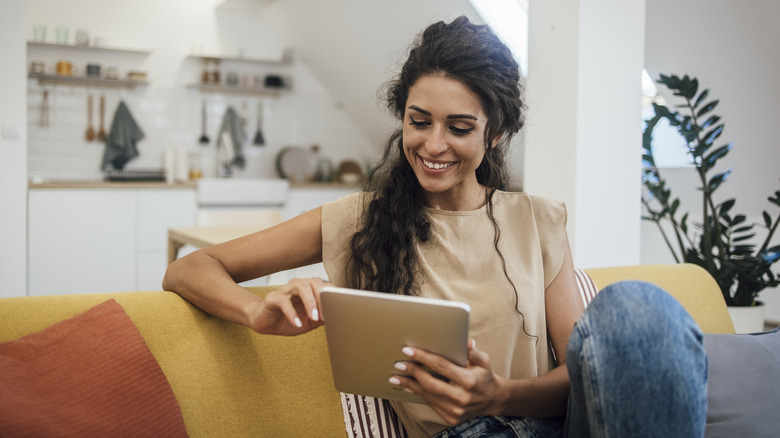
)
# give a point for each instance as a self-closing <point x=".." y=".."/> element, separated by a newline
<point x="86" y="81"/>
<point x="35" y="44"/>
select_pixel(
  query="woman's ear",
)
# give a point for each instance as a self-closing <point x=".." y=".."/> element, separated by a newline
<point x="496" y="139"/>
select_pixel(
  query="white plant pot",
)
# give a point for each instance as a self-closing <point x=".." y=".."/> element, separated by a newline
<point x="747" y="319"/>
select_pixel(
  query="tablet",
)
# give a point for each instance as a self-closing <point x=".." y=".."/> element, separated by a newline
<point x="367" y="330"/>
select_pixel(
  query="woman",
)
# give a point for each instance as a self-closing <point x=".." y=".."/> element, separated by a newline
<point x="434" y="222"/>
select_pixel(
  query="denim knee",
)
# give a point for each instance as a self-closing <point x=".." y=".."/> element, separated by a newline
<point x="636" y="362"/>
<point x="640" y="309"/>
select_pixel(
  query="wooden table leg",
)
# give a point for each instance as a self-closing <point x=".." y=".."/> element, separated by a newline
<point x="173" y="249"/>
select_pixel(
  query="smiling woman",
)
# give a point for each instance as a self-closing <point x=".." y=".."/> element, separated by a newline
<point x="443" y="142"/>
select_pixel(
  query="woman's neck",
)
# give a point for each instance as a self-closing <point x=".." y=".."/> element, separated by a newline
<point x="473" y="199"/>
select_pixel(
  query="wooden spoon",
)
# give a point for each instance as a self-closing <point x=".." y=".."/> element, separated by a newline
<point x="90" y="129"/>
<point x="101" y="135"/>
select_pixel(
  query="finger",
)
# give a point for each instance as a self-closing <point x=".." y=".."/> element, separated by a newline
<point x="434" y="362"/>
<point x="479" y="358"/>
<point x="318" y="285"/>
<point x="307" y="292"/>
<point x="450" y="412"/>
<point x="429" y="380"/>
<point x="284" y="303"/>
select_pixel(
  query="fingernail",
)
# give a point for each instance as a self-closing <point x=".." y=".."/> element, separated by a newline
<point x="408" y="351"/>
<point x="315" y="315"/>
<point x="473" y="344"/>
<point x="394" y="381"/>
<point x="400" y="366"/>
<point x="298" y="322"/>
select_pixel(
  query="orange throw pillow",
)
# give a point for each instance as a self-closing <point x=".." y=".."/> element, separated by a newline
<point x="90" y="375"/>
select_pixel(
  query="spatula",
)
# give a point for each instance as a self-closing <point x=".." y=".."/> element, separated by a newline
<point x="90" y="129"/>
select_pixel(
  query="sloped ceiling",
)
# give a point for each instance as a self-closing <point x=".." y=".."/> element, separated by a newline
<point x="355" y="46"/>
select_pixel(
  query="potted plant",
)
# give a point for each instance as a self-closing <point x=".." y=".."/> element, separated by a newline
<point x="722" y="243"/>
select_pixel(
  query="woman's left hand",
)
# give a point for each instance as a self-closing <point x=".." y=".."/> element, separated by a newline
<point x="471" y="391"/>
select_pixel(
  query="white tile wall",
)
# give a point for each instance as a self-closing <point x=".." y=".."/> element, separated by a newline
<point x="170" y="116"/>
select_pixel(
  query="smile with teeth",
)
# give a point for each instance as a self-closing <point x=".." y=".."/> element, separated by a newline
<point x="436" y="166"/>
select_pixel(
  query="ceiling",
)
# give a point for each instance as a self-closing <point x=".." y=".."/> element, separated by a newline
<point x="355" y="46"/>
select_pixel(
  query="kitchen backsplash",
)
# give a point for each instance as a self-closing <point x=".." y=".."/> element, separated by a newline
<point x="171" y="117"/>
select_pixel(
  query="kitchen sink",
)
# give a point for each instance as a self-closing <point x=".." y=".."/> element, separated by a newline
<point x="242" y="192"/>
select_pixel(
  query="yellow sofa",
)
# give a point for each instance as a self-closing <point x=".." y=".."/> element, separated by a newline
<point x="230" y="381"/>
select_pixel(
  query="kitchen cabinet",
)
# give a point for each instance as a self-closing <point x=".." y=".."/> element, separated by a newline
<point x="306" y="196"/>
<point x="102" y="240"/>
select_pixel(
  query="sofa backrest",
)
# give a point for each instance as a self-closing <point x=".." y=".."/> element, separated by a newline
<point x="693" y="287"/>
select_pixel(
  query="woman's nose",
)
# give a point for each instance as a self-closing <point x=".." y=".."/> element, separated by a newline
<point x="436" y="142"/>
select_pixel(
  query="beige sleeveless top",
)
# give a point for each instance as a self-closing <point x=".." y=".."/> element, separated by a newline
<point x="460" y="263"/>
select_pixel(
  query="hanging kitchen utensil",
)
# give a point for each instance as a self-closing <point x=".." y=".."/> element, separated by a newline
<point x="259" y="140"/>
<point x="44" y="122"/>
<point x="204" y="139"/>
<point x="101" y="135"/>
<point x="90" y="129"/>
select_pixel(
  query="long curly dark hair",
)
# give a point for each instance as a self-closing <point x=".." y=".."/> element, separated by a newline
<point x="383" y="250"/>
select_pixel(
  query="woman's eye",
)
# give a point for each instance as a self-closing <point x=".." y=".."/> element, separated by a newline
<point x="418" y="123"/>
<point x="460" y="131"/>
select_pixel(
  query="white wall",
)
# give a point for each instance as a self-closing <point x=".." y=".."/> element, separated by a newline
<point x="13" y="151"/>
<point x="584" y="98"/>
<point x="731" y="48"/>
<point x="167" y="110"/>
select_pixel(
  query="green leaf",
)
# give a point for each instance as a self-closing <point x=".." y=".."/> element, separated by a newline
<point x="702" y="96"/>
<point x="710" y="160"/>
<point x="707" y="108"/>
<point x="743" y="229"/>
<point x="742" y="238"/>
<point x="767" y="219"/>
<point x="714" y="133"/>
<point x="738" y="219"/>
<point x="717" y="180"/>
<point x="726" y="205"/>
<point x="693" y="89"/>
<point x="684" y="223"/>
<point x="711" y="121"/>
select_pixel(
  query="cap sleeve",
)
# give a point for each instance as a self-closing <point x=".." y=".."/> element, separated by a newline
<point x="550" y="217"/>
<point x="340" y="219"/>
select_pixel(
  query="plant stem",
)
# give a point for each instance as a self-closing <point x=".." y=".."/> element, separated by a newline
<point x="770" y="234"/>
<point x="663" y="233"/>
<point x="706" y="202"/>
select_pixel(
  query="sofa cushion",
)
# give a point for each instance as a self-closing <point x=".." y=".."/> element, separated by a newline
<point x="90" y="375"/>
<point x="743" y="385"/>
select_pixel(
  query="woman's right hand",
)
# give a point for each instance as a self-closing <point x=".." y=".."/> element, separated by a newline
<point x="290" y="310"/>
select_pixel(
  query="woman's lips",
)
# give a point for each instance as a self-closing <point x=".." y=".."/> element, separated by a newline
<point x="433" y="165"/>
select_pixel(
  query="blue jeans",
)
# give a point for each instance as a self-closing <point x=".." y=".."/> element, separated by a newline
<point x="637" y="369"/>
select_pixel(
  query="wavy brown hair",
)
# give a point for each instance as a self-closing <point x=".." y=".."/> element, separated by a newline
<point x="383" y="256"/>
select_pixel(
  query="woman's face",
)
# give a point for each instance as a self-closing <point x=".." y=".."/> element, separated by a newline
<point x="443" y="138"/>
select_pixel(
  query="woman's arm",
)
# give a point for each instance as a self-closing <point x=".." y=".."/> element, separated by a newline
<point x="476" y="390"/>
<point x="208" y="277"/>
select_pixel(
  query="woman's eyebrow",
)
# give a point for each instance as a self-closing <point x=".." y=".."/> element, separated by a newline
<point x="461" y="116"/>
<point x="419" y="110"/>
<point x="451" y="116"/>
